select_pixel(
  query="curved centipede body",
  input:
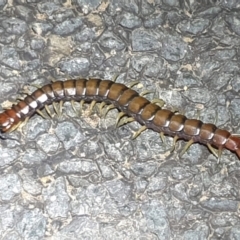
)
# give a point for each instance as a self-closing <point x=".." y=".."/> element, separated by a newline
<point x="130" y="103"/>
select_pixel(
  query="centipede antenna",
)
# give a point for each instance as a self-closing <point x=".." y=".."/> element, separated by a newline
<point x="93" y="103"/>
<point x="119" y="116"/>
<point x="212" y="150"/>
<point x="186" y="147"/>
<point x="4" y="137"/>
<point x="140" y="130"/>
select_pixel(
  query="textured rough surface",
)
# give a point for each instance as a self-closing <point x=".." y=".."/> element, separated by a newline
<point x="78" y="177"/>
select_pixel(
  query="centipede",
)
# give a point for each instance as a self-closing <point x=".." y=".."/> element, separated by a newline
<point x="132" y="106"/>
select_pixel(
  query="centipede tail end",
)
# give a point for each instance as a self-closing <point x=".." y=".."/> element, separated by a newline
<point x="233" y="144"/>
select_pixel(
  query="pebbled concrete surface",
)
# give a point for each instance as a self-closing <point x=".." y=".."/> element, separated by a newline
<point x="75" y="177"/>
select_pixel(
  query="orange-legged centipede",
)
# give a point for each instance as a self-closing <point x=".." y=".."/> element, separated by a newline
<point x="129" y="102"/>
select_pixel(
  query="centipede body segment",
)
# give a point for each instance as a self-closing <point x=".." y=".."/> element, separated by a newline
<point x="129" y="102"/>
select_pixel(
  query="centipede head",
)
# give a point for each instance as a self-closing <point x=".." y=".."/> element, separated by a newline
<point x="5" y="122"/>
<point x="5" y="125"/>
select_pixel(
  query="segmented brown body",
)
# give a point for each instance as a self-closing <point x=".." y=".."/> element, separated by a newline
<point x="126" y="100"/>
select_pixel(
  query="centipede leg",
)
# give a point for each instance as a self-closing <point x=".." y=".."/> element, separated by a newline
<point x="56" y="108"/>
<point x="81" y="105"/>
<point x="132" y="84"/>
<point x="21" y="98"/>
<point x="73" y="107"/>
<point x="25" y="90"/>
<point x="15" y="127"/>
<point x="216" y="118"/>
<point x="212" y="150"/>
<point x="186" y="147"/>
<point x="22" y="93"/>
<point x="61" y="107"/>
<point x="48" y="111"/>
<point x="35" y="85"/>
<point x="115" y="77"/>
<point x="140" y="130"/>
<point x="109" y="107"/>
<point x="19" y="125"/>
<point x="219" y="153"/>
<point x="198" y="114"/>
<point x="145" y="92"/>
<point x="236" y="135"/>
<point x="125" y="120"/>
<point x="158" y="102"/>
<point x="119" y="116"/>
<point x="93" y="103"/>
<point x="100" y="108"/>
<point x="174" y="143"/>
<point x="162" y="136"/>
<point x="41" y="114"/>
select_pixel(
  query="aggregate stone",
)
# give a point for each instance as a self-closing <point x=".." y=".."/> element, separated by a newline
<point x="9" y="186"/>
<point x="14" y="26"/>
<point x="68" y="26"/>
<point x="77" y="175"/>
